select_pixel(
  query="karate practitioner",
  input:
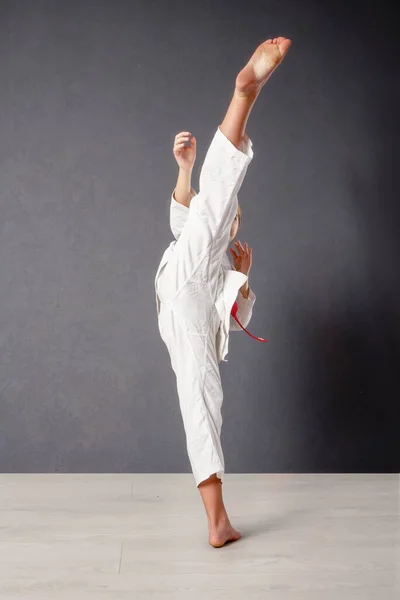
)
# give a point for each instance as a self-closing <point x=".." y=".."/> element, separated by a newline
<point x="196" y="285"/>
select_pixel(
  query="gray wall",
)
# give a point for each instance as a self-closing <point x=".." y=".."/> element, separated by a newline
<point x="92" y="94"/>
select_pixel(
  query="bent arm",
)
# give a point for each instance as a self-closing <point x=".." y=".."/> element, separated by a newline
<point x="183" y="192"/>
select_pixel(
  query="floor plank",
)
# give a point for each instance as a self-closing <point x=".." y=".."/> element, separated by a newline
<point x="86" y="536"/>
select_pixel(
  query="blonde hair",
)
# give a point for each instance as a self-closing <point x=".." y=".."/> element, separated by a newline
<point x="239" y="214"/>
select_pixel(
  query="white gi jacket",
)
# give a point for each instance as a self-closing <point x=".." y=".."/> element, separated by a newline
<point x="231" y="282"/>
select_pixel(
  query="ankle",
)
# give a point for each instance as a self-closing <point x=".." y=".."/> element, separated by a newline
<point x="218" y="522"/>
<point x="248" y="95"/>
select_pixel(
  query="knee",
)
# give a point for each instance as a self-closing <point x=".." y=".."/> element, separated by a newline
<point x="212" y="480"/>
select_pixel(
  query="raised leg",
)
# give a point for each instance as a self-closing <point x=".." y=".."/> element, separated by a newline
<point x="249" y="83"/>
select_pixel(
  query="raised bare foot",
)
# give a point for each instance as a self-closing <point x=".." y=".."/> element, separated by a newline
<point x="261" y="65"/>
<point x="223" y="534"/>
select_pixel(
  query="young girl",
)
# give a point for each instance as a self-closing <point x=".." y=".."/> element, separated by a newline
<point x="196" y="286"/>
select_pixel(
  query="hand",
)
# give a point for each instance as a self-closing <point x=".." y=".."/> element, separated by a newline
<point x="185" y="150"/>
<point x="243" y="258"/>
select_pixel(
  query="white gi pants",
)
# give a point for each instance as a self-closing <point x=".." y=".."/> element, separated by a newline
<point x="187" y="287"/>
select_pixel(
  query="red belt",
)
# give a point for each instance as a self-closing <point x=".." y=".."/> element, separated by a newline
<point x="233" y="313"/>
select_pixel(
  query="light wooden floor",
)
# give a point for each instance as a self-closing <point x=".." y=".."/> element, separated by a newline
<point x="142" y="536"/>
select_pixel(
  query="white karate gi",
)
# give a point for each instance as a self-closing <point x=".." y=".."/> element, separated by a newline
<point x="196" y="288"/>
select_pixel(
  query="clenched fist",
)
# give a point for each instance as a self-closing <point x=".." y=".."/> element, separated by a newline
<point x="185" y="150"/>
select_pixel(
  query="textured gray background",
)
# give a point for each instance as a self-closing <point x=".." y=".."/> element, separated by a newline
<point x="92" y="94"/>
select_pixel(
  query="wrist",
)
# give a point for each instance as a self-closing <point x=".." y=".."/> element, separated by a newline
<point x="245" y="290"/>
<point x="186" y="170"/>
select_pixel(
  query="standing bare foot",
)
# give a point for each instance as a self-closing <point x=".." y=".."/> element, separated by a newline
<point x="261" y="65"/>
<point x="223" y="533"/>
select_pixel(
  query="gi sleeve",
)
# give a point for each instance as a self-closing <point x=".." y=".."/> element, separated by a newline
<point x="178" y="214"/>
<point x="245" y="311"/>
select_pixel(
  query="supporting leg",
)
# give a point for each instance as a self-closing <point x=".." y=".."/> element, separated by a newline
<point x="219" y="526"/>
